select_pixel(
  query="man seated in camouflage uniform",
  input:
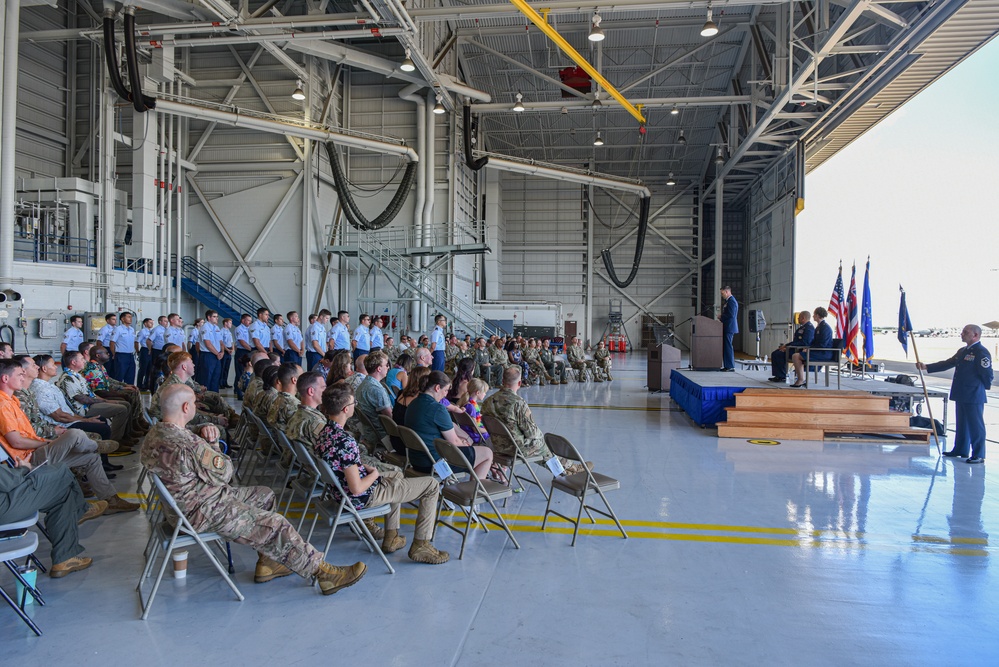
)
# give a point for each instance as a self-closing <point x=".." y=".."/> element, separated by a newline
<point x="197" y="474"/>
<point x="268" y="392"/>
<point x="602" y="359"/>
<point x="577" y="359"/>
<point x="286" y="402"/>
<point x="533" y="360"/>
<point x="106" y="387"/>
<point x="391" y="350"/>
<point x="212" y="409"/>
<point x="261" y="362"/>
<point x="551" y="364"/>
<point x="506" y="406"/>
<point x="499" y="361"/>
<point x="451" y="352"/>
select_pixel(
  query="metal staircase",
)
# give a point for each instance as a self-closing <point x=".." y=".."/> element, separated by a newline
<point x="459" y="312"/>
<point x="203" y="284"/>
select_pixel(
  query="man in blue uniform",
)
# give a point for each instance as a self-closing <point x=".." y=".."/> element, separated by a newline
<point x="144" y="356"/>
<point x="339" y="336"/>
<point x="437" y="343"/>
<point x="317" y="338"/>
<point x="730" y="322"/>
<point x="804" y="334"/>
<point x="104" y="336"/>
<point x="175" y="332"/>
<point x="74" y="335"/>
<point x="362" y="337"/>
<point x="227" y="351"/>
<point x="210" y="352"/>
<point x="244" y="347"/>
<point x="293" y="340"/>
<point x="155" y="343"/>
<point x="260" y="331"/>
<point x="972" y="378"/>
<point x="123" y="350"/>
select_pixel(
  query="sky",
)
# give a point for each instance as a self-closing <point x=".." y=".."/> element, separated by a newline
<point x="919" y="193"/>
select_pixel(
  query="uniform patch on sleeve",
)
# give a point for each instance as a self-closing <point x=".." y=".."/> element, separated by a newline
<point x="986" y="362"/>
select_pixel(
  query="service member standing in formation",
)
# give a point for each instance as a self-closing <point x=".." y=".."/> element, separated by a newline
<point x="972" y="379"/>
<point x="244" y="346"/>
<point x="260" y="331"/>
<point x="74" y="335"/>
<point x="293" y="340"/>
<point x="377" y="340"/>
<point x="730" y="327"/>
<point x="316" y="349"/>
<point x="104" y="336"/>
<point x="339" y="337"/>
<point x="227" y="352"/>
<point x="362" y="337"/>
<point x="198" y="475"/>
<point x="437" y="343"/>
<point x="123" y="349"/>
<point x="210" y="354"/>
<point x="155" y="344"/>
<point x="145" y="358"/>
<point x="277" y="336"/>
<point x="175" y="332"/>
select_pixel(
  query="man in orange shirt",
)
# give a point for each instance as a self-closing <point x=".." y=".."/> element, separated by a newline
<point x="72" y="448"/>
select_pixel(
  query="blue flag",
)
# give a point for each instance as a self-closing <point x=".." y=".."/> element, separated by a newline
<point x="866" y="324"/>
<point x="904" y="324"/>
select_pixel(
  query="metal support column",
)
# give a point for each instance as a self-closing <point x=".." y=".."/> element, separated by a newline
<point x="719" y="214"/>
<point x="8" y="135"/>
<point x="588" y="271"/>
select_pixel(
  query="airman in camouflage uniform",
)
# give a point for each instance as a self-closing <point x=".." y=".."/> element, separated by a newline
<point x="498" y="361"/>
<point x="506" y="406"/>
<point x="281" y="410"/>
<point x="577" y="359"/>
<point x="451" y="355"/>
<point x="534" y="363"/>
<point x="391" y="351"/>
<point x="603" y="360"/>
<point x="202" y="418"/>
<point x="252" y="390"/>
<point x="552" y="365"/>
<point x="197" y="474"/>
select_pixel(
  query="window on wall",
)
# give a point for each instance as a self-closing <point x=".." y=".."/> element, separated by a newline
<point x="759" y="257"/>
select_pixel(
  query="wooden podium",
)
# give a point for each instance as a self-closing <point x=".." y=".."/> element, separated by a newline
<point x="662" y="360"/>
<point x="706" y="344"/>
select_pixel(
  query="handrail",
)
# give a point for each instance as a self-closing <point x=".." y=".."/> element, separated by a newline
<point x="218" y="286"/>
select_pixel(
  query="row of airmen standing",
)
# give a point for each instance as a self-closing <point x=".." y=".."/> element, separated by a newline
<point x="215" y="346"/>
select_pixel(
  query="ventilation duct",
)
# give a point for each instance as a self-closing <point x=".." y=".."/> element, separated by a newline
<point x="350" y="210"/>
<point x="141" y="102"/>
<point x="643" y="227"/>
<point x="472" y="163"/>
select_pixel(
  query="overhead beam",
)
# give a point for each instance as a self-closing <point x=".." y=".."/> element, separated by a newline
<point x="648" y="103"/>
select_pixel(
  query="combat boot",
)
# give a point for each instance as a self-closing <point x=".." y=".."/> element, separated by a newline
<point x="268" y="569"/>
<point x="118" y="504"/>
<point x="332" y="578"/>
<point x="423" y="551"/>
<point x="609" y="378"/>
<point x="393" y="541"/>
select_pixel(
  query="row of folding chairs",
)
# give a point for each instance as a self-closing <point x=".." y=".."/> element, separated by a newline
<point x="13" y="549"/>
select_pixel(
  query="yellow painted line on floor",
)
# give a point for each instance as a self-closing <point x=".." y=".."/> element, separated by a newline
<point x="595" y="407"/>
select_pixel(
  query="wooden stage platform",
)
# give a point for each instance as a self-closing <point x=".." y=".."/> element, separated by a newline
<point x="704" y="395"/>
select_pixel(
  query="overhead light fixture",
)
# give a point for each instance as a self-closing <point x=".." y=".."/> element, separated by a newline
<point x="596" y="32"/>
<point x="408" y="65"/>
<point x="596" y="103"/>
<point x="710" y="28"/>
<point x="720" y="159"/>
<point x="674" y="111"/>
<point x="682" y="140"/>
<point x="298" y="94"/>
<point x="519" y="106"/>
<point x="439" y="108"/>
<point x="671" y="181"/>
<point x="598" y="141"/>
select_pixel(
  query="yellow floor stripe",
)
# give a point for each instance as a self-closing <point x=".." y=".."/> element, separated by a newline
<point x="701" y="532"/>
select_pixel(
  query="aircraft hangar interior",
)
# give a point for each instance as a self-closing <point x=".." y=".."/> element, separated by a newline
<point x="575" y="168"/>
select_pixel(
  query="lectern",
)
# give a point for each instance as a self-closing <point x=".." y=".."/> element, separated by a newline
<point x="705" y="344"/>
<point x="662" y="360"/>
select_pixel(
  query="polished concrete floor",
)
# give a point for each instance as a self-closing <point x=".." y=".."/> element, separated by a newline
<point x="739" y="554"/>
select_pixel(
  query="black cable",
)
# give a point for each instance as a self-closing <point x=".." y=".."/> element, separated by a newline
<point x="472" y="163"/>
<point x="643" y="226"/>
<point x="114" y="67"/>
<point x="141" y="102"/>
<point x="349" y="206"/>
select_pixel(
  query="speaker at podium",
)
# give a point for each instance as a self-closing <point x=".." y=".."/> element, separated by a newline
<point x="706" y="344"/>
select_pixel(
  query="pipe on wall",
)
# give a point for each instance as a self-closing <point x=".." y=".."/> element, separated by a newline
<point x="409" y="93"/>
<point x="568" y="176"/>
<point x="8" y="135"/>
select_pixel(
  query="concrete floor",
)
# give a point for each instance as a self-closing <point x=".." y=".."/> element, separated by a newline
<point x="799" y="553"/>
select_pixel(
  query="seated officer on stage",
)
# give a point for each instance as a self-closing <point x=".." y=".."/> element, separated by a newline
<point x="804" y="334"/>
<point x="823" y="340"/>
<point x="197" y="474"/>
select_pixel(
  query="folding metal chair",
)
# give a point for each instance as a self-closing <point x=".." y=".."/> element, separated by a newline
<point x="370" y="426"/>
<point x="414" y="443"/>
<point x="504" y="442"/>
<point x="393" y="432"/>
<point x="287" y="462"/>
<point x="579" y="485"/>
<point x="258" y="454"/>
<point x="333" y="510"/>
<point x="167" y="538"/>
<point x="468" y="494"/>
<point x="308" y="481"/>
<point x="10" y="551"/>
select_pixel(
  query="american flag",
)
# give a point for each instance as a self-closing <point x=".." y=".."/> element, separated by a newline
<point x="837" y="306"/>
<point x="853" y="310"/>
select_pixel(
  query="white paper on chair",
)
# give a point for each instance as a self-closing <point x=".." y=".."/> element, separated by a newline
<point x="442" y="469"/>
<point x="555" y="466"/>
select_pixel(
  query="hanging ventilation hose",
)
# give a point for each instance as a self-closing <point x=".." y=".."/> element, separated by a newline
<point x="139" y="101"/>
<point x="643" y="227"/>
<point x="472" y="163"/>
<point x="354" y="215"/>
<point x="114" y="70"/>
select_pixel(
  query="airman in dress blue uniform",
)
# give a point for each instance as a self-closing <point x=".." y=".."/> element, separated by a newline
<point x="730" y="326"/>
<point x="972" y="378"/>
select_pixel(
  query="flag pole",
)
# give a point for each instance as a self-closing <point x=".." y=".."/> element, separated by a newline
<point x="926" y="396"/>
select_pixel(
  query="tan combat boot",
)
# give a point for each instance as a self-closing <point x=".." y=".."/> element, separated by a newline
<point x="268" y="569"/>
<point x="332" y="578"/>
<point x="423" y="551"/>
<point x="393" y="541"/>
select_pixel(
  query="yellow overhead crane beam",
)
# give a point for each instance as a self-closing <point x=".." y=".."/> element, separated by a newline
<point x="559" y="40"/>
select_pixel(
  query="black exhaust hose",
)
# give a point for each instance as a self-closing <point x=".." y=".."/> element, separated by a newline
<point x="643" y="227"/>
<point x="350" y="210"/>
<point x="111" y="58"/>
<point x="141" y="102"/>
<point x="472" y="163"/>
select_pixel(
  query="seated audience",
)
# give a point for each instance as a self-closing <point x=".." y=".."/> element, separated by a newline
<point x="82" y="400"/>
<point x="197" y="474"/>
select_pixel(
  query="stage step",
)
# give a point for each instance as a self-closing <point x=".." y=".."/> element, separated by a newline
<point x="804" y="414"/>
